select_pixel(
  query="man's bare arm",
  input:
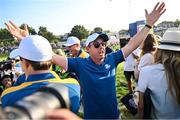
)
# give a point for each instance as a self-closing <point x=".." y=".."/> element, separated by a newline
<point x="151" y="18"/>
<point x="60" y="61"/>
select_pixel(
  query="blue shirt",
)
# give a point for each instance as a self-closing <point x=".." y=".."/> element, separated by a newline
<point x="18" y="91"/>
<point x="98" y="85"/>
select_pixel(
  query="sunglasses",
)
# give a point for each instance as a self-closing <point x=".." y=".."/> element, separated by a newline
<point x="97" y="44"/>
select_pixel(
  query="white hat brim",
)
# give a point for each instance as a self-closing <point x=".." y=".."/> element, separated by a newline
<point x="169" y="47"/>
<point x="67" y="45"/>
<point x="14" y="54"/>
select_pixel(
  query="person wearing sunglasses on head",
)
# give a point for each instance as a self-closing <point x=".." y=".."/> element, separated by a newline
<point x="97" y="72"/>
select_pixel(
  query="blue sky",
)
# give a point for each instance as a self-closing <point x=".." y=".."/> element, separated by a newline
<point x="59" y="16"/>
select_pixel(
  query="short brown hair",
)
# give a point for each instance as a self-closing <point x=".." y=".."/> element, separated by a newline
<point x="42" y="65"/>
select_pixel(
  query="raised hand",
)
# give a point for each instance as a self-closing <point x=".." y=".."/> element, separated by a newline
<point x="152" y="17"/>
<point x="17" y="32"/>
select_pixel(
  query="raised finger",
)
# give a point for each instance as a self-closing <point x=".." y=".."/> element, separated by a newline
<point x="161" y="7"/>
<point x="162" y="11"/>
<point x="25" y="27"/>
<point x="15" y="26"/>
<point x="10" y="28"/>
<point x="155" y="7"/>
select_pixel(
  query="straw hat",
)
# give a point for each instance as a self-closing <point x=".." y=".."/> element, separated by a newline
<point x="170" y="40"/>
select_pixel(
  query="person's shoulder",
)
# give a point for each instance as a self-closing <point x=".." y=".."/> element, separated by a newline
<point x="115" y="57"/>
<point x="78" y="59"/>
<point x="147" y="57"/>
<point x="84" y="54"/>
<point x="149" y="54"/>
<point x="22" y="76"/>
<point x="70" y="81"/>
<point x="20" y="80"/>
<point x="117" y="53"/>
<point x="153" y="67"/>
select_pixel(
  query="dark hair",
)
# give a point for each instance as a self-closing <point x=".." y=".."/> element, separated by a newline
<point x="42" y="65"/>
<point x="148" y="44"/>
<point x="6" y="76"/>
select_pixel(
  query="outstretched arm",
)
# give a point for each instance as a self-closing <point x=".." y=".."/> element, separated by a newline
<point x="60" y="61"/>
<point x="17" y="32"/>
<point x="21" y="33"/>
<point x="151" y="19"/>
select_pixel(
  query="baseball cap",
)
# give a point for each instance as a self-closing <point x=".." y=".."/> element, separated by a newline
<point x="94" y="36"/>
<point x="170" y="40"/>
<point x="71" y="41"/>
<point x="13" y="55"/>
<point x="34" y="48"/>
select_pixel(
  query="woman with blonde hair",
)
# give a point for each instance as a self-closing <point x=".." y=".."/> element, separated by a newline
<point x="163" y="79"/>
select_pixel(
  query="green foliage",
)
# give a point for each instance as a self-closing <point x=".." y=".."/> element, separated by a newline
<point x="3" y="57"/>
<point x="4" y="34"/>
<point x="121" y="87"/>
<point x="45" y="33"/>
<point x="32" y="31"/>
<point x="106" y="31"/>
<point x="79" y="31"/>
<point x="121" y="90"/>
<point x="97" y="29"/>
<point x="177" y="23"/>
<point x="5" y="38"/>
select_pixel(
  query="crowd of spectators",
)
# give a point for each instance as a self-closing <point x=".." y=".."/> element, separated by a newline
<point x="95" y="71"/>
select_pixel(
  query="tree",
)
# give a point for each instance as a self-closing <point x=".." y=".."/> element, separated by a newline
<point x="79" y="31"/>
<point x="5" y="34"/>
<point x="177" y="23"/>
<point x="6" y="38"/>
<point x="45" y="33"/>
<point x="98" y="29"/>
<point x="32" y="31"/>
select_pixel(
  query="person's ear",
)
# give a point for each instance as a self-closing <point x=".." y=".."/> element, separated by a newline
<point x="87" y="49"/>
<point x="27" y="64"/>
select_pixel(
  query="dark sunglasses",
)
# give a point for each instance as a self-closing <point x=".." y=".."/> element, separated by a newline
<point x="97" y="44"/>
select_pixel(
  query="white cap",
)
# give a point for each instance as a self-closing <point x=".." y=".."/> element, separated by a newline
<point x="94" y="36"/>
<point x="13" y="55"/>
<point x="72" y="41"/>
<point x="34" y="48"/>
<point x="170" y="40"/>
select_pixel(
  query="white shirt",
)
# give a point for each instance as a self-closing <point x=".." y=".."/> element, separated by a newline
<point x="154" y="78"/>
<point x="146" y="59"/>
<point x="130" y="62"/>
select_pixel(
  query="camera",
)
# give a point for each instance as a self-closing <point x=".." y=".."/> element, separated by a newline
<point x="35" y="106"/>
